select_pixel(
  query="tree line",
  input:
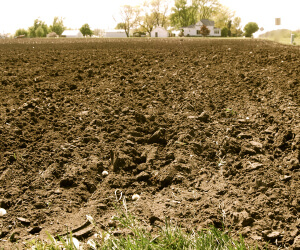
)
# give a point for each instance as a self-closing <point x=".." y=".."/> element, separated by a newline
<point x="41" y="29"/>
<point x="154" y="13"/>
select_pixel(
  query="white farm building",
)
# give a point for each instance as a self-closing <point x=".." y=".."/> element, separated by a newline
<point x="115" y="33"/>
<point x="72" y="34"/>
<point x="194" y="30"/>
<point x="159" y="32"/>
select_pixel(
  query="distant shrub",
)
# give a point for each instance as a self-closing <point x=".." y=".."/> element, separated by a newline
<point x="39" y="29"/>
<point x="296" y="34"/>
<point x="224" y="32"/>
<point x="250" y="28"/>
<point x="39" y="32"/>
<point x="21" y="32"/>
<point x="52" y="34"/>
<point x="85" y="30"/>
<point x="204" y="31"/>
<point x="57" y="26"/>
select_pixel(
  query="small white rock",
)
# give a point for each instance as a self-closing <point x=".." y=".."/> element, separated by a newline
<point x="75" y="242"/>
<point x="90" y="218"/>
<point x="92" y="244"/>
<point x="2" y="212"/>
<point x="104" y="173"/>
<point x="135" y="197"/>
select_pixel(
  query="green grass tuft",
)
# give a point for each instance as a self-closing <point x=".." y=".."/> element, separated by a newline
<point x="170" y="237"/>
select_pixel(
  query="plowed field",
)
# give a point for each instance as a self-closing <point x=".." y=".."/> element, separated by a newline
<point x="206" y="131"/>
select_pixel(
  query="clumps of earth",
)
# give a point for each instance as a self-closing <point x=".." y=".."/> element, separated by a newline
<point x="200" y="131"/>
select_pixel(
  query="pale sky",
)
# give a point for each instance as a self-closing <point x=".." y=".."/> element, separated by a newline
<point x="15" y="14"/>
<point x="264" y="12"/>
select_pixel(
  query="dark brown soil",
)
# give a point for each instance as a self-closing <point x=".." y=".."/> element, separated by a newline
<point x="205" y="131"/>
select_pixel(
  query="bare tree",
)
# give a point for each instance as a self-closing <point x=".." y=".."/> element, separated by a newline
<point x="147" y="23"/>
<point x="159" y="9"/>
<point x="99" y="32"/>
<point x="236" y="29"/>
<point x="130" y="16"/>
<point x="154" y="14"/>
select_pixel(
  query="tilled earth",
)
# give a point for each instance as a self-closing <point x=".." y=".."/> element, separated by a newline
<point x="206" y="131"/>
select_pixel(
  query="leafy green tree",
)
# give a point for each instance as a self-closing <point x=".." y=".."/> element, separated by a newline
<point x="38" y="23"/>
<point x="39" y="32"/>
<point x="147" y="23"/>
<point x="204" y="31"/>
<point x="222" y="16"/>
<point x="21" y="32"/>
<point x="229" y="27"/>
<point x="224" y="32"/>
<point x="120" y="26"/>
<point x="86" y="30"/>
<point x="130" y="16"/>
<point x="57" y="26"/>
<point x="182" y="14"/>
<point x="250" y="28"/>
<point x="206" y="8"/>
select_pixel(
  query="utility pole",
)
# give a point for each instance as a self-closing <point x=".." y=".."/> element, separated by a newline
<point x="277" y="23"/>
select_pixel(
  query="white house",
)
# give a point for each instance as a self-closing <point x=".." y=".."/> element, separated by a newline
<point x="159" y="32"/>
<point x="115" y="33"/>
<point x="194" y="30"/>
<point x="72" y="34"/>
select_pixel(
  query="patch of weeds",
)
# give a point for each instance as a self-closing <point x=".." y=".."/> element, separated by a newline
<point x="213" y="238"/>
<point x="171" y="236"/>
<point x="231" y="112"/>
<point x="66" y="243"/>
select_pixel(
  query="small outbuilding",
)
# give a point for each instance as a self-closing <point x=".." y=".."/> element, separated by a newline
<point x="72" y="34"/>
<point x="117" y="33"/>
<point x="52" y="34"/>
<point x="159" y="32"/>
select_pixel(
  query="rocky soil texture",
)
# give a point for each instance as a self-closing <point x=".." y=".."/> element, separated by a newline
<point x="206" y="131"/>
